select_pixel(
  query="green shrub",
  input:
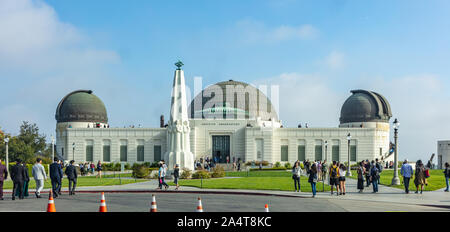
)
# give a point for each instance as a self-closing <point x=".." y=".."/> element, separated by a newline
<point x="154" y="164"/>
<point x="140" y="171"/>
<point x="185" y="173"/>
<point x="277" y="164"/>
<point x="154" y="175"/>
<point x="127" y="166"/>
<point x="218" y="172"/>
<point x="201" y="174"/>
<point x="288" y="165"/>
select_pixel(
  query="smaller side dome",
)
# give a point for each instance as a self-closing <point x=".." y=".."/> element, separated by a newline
<point x="81" y="106"/>
<point x="365" y="106"/>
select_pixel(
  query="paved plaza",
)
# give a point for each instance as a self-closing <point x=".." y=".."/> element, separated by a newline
<point x="136" y="197"/>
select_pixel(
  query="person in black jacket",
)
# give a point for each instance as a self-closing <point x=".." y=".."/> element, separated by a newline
<point x="56" y="175"/>
<point x="18" y="177"/>
<point x="176" y="175"/>
<point x="71" y="172"/>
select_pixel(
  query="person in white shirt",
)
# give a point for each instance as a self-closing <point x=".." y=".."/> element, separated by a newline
<point x="342" y="172"/>
<point x="39" y="175"/>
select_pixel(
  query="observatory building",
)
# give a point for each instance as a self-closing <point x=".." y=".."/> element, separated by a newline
<point x="229" y="119"/>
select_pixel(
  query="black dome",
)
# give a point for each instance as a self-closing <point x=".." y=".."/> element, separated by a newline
<point x="211" y="105"/>
<point x="81" y="106"/>
<point x="365" y="106"/>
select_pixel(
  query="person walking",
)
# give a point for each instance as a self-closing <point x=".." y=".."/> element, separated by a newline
<point x="3" y="177"/>
<point x="406" y="171"/>
<point x="176" y="175"/>
<point x="39" y="175"/>
<point x="446" y="175"/>
<point x="419" y="176"/>
<point x="325" y="171"/>
<point x="374" y="175"/>
<point x="342" y="171"/>
<point x="296" y="172"/>
<point x="334" y="178"/>
<point x="71" y="173"/>
<point x="18" y="178"/>
<point x="99" y="169"/>
<point x="162" y="174"/>
<point x="56" y="176"/>
<point x="26" y="180"/>
<point x="360" y="172"/>
<point x="380" y="169"/>
<point x="367" y="168"/>
<point x="313" y="178"/>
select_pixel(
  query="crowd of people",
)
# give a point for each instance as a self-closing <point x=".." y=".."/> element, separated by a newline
<point x="208" y="163"/>
<point x="20" y="177"/>
<point x="368" y="173"/>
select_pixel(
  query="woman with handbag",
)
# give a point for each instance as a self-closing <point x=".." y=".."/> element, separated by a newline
<point x="419" y="175"/>
<point x="296" y="172"/>
<point x="313" y="178"/>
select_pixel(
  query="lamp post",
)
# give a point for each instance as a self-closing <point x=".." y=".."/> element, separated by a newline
<point x="53" y="148"/>
<point x="396" y="179"/>
<point x="7" y="159"/>
<point x="349" y="171"/>
<point x="73" y="149"/>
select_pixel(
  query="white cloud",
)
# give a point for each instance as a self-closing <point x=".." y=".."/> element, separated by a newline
<point x="252" y="31"/>
<point x="335" y="60"/>
<point x="306" y="98"/>
<point x="41" y="60"/>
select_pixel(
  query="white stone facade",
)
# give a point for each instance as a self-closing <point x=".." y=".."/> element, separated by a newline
<point x="244" y="141"/>
<point x="443" y="148"/>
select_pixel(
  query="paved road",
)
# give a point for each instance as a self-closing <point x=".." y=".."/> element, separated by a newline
<point x="187" y="202"/>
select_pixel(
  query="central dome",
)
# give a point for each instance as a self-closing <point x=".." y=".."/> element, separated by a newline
<point x="81" y="106"/>
<point x="232" y="100"/>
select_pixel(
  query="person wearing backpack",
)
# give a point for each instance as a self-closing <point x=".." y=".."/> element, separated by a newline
<point x="334" y="178"/>
<point x="374" y="175"/>
<point x="447" y="175"/>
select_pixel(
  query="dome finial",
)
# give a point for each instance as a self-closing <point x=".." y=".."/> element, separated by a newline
<point x="179" y="64"/>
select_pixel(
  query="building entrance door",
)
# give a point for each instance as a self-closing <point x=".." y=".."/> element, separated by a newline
<point x="220" y="148"/>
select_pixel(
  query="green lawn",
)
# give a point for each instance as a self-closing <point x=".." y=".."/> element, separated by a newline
<point x="435" y="181"/>
<point x="260" y="180"/>
<point x="82" y="182"/>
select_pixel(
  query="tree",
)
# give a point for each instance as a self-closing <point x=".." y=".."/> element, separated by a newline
<point x="28" y="144"/>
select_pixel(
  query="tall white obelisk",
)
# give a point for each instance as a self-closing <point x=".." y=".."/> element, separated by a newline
<point x="178" y="142"/>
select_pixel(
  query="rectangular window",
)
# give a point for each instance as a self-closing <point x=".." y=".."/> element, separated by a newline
<point x="90" y="153"/>
<point x="157" y="152"/>
<point x="123" y="153"/>
<point x="140" y="153"/>
<point x="301" y="152"/>
<point x="318" y="152"/>
<point x="106" y="153"/>
<point x="353" y="153"/>
<point x="335" y="153"/>
<point x="284" y="153"/>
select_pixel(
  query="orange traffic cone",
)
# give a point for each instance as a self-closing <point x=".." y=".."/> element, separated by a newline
<point x="102" y="208"/>
<point x="199" y="206"/>
<point x="51" y="203"/>
<point x="266" y="208"/>
<point x="153" y="207"/>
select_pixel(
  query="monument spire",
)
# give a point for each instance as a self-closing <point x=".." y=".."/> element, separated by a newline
<point x="178" y="141"/>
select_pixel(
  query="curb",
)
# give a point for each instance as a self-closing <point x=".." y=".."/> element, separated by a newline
<point x="172" y="191"/>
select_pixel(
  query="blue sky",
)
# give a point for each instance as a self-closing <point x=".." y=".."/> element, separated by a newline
<point x="316" y="51"/>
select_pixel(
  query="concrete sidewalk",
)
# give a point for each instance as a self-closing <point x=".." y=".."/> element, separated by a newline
<point x="385" y="194"/>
